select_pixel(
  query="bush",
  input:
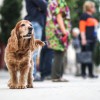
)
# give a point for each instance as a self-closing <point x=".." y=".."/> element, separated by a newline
<point x="76" y="7"/>
<point x="10" y="13"/>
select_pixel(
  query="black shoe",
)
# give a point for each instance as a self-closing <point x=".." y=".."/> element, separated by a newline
<point x="48" y="78"/>
<point x="42" y="78"/>
<point x="93" y="76"/>
<point x="77" y="75"/>
<point x="38" y="79"/>
<point x="84" y="76"/>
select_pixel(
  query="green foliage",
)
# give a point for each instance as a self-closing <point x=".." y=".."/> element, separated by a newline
<point x="76" y="10"/>
<point x="96" y="55"/>
<point x="10" y="14"/>
<point x="72" y="4"/>
<point x="97" y="15"/>
<point x="76" y="7"/>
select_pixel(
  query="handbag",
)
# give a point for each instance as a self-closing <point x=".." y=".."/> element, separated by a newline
<point x="84" y="56"/>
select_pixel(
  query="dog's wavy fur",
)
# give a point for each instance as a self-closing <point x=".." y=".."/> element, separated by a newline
<point x="18" y="57"/>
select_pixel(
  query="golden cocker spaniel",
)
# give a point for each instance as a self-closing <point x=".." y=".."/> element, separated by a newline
<point x="18" y="55"/>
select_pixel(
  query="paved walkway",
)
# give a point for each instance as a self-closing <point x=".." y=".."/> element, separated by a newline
<point x="76" y="89"/>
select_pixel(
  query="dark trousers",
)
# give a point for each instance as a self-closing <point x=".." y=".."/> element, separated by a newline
<point x="89" y="47"/>
<point x="46" y="59"/>
<point x="57" y="68"/>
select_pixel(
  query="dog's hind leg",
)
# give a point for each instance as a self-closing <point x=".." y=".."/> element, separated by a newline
<point x="30" y="79"/>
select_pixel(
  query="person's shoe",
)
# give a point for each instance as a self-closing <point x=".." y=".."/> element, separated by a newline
<point x="42" y="78"/>
<point x="48" y="78"/>
<point x="93" y="76"/>
<point x="84" y="76"/>
<point x="59" y="80"/>
<point x="38" y="79"/>
<point x="77" y="75"/>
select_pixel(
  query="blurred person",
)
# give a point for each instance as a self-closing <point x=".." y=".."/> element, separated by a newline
<point x="36" y="10"/>
<point x="57" y="32"/>
<point x="88" y="37"/>
<point x="46" y="58"/>
<point x="96" y="55"/>
<point x="76" y="45"/>
<point x="97" y="30"/>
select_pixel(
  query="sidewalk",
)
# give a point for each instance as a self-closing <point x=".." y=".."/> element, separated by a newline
<point x="76" y="89"/>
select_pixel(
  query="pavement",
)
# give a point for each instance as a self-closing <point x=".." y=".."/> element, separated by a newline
<point x="76" y="89"/>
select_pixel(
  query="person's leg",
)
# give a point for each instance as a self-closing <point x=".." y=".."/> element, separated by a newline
<point x="83" y="70"/>
<point x="35" y="69"/>
<point x="38" y="35"/>
<point x="42" y="61"/>
<point x="90" y="68"/>
<point x="62" y="70"/>
<point x="78" y="66"/>
<point x="57" y="65"/>
<point x="48" y="61"/>
<point x="83" y="65"/>
<point x="65" y="61"/>
<point x="90" y="65"/>
<point x="91" y="74"/>
<point x="37" y="30"/>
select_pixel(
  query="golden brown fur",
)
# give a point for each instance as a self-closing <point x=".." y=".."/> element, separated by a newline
<point x="18" y="55"/>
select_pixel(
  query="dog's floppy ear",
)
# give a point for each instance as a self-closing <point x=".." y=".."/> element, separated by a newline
<point x="32" y="43"/>
<point x="38" y="43"/>
<point x="13" y="41"/>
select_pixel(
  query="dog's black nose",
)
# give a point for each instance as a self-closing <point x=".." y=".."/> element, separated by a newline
<point x="30" y="29"/>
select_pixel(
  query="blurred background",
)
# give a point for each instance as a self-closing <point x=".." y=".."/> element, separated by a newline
<point x="11" y="11"/>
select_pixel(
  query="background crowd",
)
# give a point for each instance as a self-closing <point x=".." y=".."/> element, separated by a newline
<point x="53" y="22"/>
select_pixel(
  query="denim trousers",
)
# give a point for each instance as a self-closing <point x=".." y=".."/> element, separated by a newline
<point x="38" y="35"/>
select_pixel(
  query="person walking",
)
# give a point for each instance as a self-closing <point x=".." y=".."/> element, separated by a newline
<point x="88" y="37"/>
<point x="36" y="10"/>
<point x="57" y="31"/>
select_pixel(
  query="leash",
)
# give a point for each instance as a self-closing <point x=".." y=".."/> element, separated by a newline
<point x="46" y="42"/>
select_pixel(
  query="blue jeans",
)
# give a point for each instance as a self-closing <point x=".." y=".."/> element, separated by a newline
<point x="38" y="35"/>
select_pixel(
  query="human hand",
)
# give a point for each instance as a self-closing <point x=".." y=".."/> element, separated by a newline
<point x="64" y="38"/>
<point x="83" y="41"/>
<point x="65" y="33"/>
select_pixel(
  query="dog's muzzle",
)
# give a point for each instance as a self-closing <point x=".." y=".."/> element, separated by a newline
<point x="29" y="35"/>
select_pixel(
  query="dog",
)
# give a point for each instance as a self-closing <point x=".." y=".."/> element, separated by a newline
<point x="18" y="55"/>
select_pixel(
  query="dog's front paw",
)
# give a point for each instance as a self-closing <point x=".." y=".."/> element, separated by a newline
<point x="9" y="84"/>
<point x="21" y="87"/>
<point x="29" y="86"/>
<point x="12" y="86"/>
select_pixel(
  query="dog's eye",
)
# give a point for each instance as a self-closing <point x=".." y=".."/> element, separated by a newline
<point x="30" y="24"/>
<point x="23" y="25"/>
